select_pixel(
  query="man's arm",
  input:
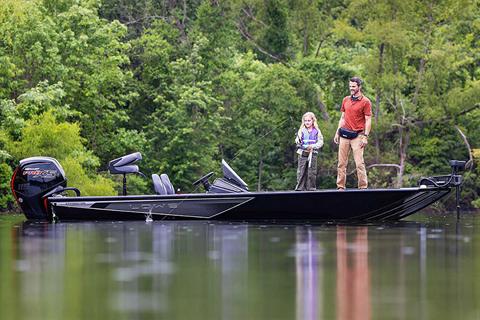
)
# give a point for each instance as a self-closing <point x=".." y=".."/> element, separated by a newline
<point x="368" y="124"/>
<point x="368" y="127"/>
<point x="340" y="124"/>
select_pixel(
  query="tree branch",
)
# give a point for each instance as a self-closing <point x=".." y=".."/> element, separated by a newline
<point x="129" y="22"/>
<point x="241" y="27"/>
<point x="381" y="165"/>
<point x="469" y="163"/>
<point x="249" y="14"/>
<point x="463" y="112"/>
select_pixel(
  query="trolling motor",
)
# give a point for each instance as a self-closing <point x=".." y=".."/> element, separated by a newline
<point x="125" y="165"/>
<point x="453" y="180"/>
<point x="34" y="180"/>
<point x="456" y="167"/>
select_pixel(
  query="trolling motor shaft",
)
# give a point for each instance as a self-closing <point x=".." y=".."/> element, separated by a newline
<point x="456" y="167"/>
<point x="448" y="181"/>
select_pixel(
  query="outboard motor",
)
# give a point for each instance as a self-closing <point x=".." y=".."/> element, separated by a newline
<point x="33" y="181"/>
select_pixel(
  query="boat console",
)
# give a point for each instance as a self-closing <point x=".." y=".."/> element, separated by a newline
<point x="231" y="181"/>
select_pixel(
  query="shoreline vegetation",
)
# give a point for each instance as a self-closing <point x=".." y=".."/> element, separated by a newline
<point x="189" y="83"/>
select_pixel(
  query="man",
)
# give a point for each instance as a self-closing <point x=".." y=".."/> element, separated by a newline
<point x="352" y="132"/>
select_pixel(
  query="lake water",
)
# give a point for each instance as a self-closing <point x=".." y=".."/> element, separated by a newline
<point x="424" y="268"/>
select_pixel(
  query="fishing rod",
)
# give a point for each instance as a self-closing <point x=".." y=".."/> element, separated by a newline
<point x="197" y="183"/>
<point x="280" y="124"/>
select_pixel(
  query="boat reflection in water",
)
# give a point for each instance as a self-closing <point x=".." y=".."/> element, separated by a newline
<point x="214" y="270"/>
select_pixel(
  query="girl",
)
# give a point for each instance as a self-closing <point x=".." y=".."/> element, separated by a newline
<point x="309" y="140"/>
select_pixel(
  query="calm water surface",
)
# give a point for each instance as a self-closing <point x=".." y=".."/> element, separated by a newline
<point x="425" y="268"/>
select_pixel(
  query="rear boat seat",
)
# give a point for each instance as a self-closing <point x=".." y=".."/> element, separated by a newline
<point x="166" y="182"/>
<point x="158" y="185"/>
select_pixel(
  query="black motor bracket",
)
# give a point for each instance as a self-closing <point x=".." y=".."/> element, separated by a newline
<point x="454" y="180"/>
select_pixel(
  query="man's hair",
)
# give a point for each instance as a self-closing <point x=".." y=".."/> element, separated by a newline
<point x="357" y="80"/>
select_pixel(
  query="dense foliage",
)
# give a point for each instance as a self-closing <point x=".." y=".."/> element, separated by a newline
<point x="188" y="83"/>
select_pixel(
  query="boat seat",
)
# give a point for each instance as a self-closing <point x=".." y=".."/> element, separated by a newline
<point x="158" y="185"/>
<point x="132" y="168"/>
<point x="125" y="164"/>
<point x="166" y="182"/>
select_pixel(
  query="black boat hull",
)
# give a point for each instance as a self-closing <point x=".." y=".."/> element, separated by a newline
<point x="39" y="185"/>
<point x="328" y="205"/>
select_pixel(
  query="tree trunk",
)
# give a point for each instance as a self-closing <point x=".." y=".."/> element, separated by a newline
<point x="405" y="131"/>
<point x="184" y="19"/>
<point x="421" y="67"/>
<point x="260" y="172"/>
<point x="421" y="70"/>
<point x="401" y="132"/>
<point x="403" y="155"/>
<point x="322" y="107"/>
<point x="305" y="36"/>
<point x="378" y="96"/>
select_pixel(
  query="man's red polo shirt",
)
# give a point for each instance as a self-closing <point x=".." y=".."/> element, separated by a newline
<point x="355" y="112"/>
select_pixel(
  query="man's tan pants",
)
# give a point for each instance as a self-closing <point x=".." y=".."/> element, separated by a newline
<point x="343" y="152"/>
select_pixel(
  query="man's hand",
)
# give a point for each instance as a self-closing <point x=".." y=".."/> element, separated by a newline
<point x="336" y="138"/>
<point x="363" y="141"/>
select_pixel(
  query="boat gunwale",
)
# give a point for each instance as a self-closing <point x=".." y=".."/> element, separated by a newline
<point x="236" y="194"/>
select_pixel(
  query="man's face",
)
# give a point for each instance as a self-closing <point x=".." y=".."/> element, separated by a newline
<point x="354" y="88"/>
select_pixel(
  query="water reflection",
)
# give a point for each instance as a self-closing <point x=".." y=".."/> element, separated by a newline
<point x="215" y="270"/>
<point x="353" y="275"/>
<point x="309" y="278"/>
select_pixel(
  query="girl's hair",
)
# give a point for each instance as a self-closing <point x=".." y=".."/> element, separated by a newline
<point x="302" y="125"/>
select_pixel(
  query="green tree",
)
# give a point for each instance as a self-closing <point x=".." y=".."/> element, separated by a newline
<point x="264" y="111"/>
<point x="44" y="136"/>
<point x="409" y="62"/>
<point x="183" y="130"/>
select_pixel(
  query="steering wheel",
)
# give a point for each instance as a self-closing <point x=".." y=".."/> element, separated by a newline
<point x="204" y="180"/>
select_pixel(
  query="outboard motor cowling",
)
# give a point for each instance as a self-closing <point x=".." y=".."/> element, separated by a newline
<point x="33" y="180"/>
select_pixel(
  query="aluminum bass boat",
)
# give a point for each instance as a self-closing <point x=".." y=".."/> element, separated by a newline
<point x="39" y="185"/>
